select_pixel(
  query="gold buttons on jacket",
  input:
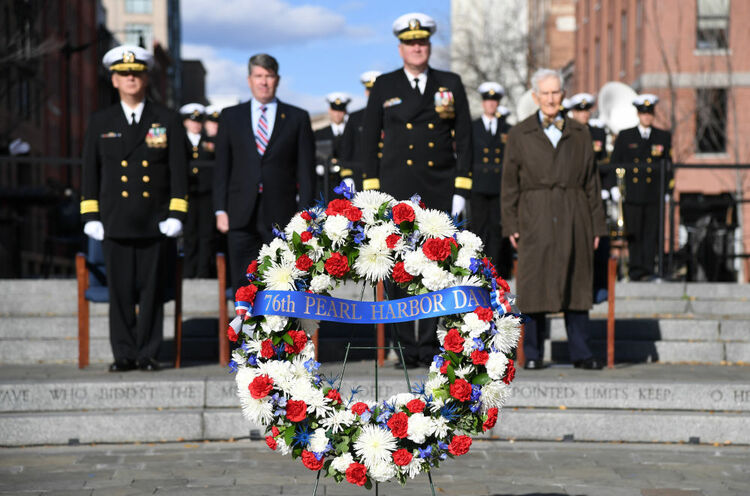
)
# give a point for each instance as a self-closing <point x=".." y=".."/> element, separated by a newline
<point x="146" y="179"/>
<point x="486" y="150"/>
<point x="195" y="170"/>
<point x="635" y="170"/>
<point x="124" y="194"/>
<point x="124" y="163"/>
<point x="648" y="169"/>
<point x="431" y="144"/>
<point x="648" y="179"/>
<point x="146" y="194"/>
<point x="380" y="154"/>
<point x="195" y="148"/>
<point x="411" y="147"/>
<point x="195" y="155"/>
<point x="144" y="163"/>
<point x="485" y="160"/>
<point x="635" y="160"/>
<point x="497" y="160"/>
<point x="430" y="163"/>
<point x="635" y="179"/>
<point x="409" y="162"/>
<point x="409" y="125"/>
<point x="380" y="144"/>
<point x="648" y="160"/>
<point x="431" y="126"/>
<point x="497" y="150"/>
<point x="124" y="179"/>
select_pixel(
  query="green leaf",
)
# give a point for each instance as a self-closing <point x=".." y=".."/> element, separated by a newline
<point x="455" y="359"/>
<point x="451" y="373"/>
<point x="382" y="209"/>
<point x="481" y="379"/>
<point x="288" y="339"/>
<point x="289" y="435"/>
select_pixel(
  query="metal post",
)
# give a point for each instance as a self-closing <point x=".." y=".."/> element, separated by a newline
<point x="660" y="252"/>
<point x="611" y="277"/>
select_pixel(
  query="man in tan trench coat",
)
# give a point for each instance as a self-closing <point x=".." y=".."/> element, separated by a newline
<point x="552" y="213"/>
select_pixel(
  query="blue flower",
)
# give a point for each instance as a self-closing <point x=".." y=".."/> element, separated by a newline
<point x="474" y="265"/>
<point x="233" y="366"/>
<point x="343" y="189"/>
<point x="438" y="361"/>
<point x="476" y="392"/>
<point x="415" y="198"/>
<point x="478" y="344"/>
<point x="366" y="416"/>
<point x="252" y="360"/>
<point x="450" y="412"/>
<point x="425" y="453"/>
<point x="278" y="234"/>
<point x="311" y="365"/>
<point x="245" y="347"/>
<point x="360" y="236"/>
<point x="474" y="407"/>
<point x="302" y="435"/>
<point x="418" y="388"/>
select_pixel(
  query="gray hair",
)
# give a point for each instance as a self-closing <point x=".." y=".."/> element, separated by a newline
<point x="544" y="73"/>
<point x="265" y="61"/>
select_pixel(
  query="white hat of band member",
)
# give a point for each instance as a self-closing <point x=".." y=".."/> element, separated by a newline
<point x="566" y="103"/>
<point x="491" y="90"/>
<point x="338" y="100"/>
<point x="594" y="122"/>
<point x="127" y="58"/>
<point x="213" y="112"/>
<point x="645" y="102"/>
<point x="502" y="111"/>
<point x="414" y="26"/>
<point x="582" y="101"/>
<point x="193" y="111"/>
<point x="368" y="78"/>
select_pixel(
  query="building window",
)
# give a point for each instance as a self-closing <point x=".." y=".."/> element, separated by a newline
<point x="135" y="33"/>
<point x="711" y="120"/>
<point x="138" y="6"/>
<point x="712" y="24"/>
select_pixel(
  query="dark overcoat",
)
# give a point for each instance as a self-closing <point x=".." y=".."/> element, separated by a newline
<point x="551" y="197"/>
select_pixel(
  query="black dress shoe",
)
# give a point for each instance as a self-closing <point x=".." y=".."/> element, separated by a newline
<point x="123" y="365"/>
<point x="149" y="365"/>
<point x="589" y="364"/>
<point x="534" y="364"/>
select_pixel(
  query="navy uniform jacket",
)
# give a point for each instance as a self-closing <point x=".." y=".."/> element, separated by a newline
<point x="286" y="169"/>
<point x="488" y="156"/>
<point x="426" y="138"/>
<point x="200" y="178"/>
<point x="599" y="141"/>
<point x="133" y="178"/>
<point x="642" y="181"/>
<point x="325" y="134"/>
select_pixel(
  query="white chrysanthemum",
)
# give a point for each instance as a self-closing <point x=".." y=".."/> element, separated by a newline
<point x="435" y="382"/>
<point x="473" y="325"/>
<point x="496" y="365"/>
<point x="434" y="223"/>
<point x="434" y="278"/>
<point x="339" y="420"/>
<point x="382" y="470"/>
<point x="258" y="411"/>
<point x="369" y="202"/>
<point x="336" y="228"/>
<point x="469" y="240"/>
<point x="463" y="259"/>
<point x="420" y="427"/>
<point x="238" y="357"/>
<point x="253" y="346"/>
<point x="466" y="369"/>
<point x="280" y="371"/>
<point x="469" y="281"/>
<point x="341" y="463"/>
<point x="282" y="447"/>
<point x="437" y="404"/>
<point x="494" y="394"/>
<point x="318" y="441"/>
<point x="321" y="283"/>
<point x="374" y="444"/>
<point x="377" y="234"/>
<point x="296" y="225"/>
<point x="373" y="263"/>
<point x="243" y="378"/>
<point x="316" y="402"/>
<point x="509" y="330"/>
<point x="271" y="248"/>
<point x="416" y="261"/>
<point x="317" y="251"/>
<point x="414" y="467"/>
<point x="442" y="427"/>
<point x="401" y="399"/>
<point x="273" y="323"/>
<point x="281" y="276"/>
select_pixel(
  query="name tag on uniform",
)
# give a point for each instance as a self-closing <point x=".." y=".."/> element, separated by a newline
<point x="156" y="137"/>
<point x="391" y="102"/>
<point x="110" y="134"/>
<point x="632" y="145"/>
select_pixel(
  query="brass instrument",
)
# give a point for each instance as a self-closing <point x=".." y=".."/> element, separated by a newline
<point x="618" y="230"/>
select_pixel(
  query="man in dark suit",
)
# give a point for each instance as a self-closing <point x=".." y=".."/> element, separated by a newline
<point x="329" y="143"/>
<point x="648" y="148"/>
<point x="351" y="146"/>
<point x="133" y="197"/>
<point x="265" y="155"/>
<point x="423" y="116"/>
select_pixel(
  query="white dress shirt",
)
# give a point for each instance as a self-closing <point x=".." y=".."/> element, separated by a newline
<point x="552" y="132"/>
<point x="138" y="111"/>
<point x="271" y="108"/>
<point x="194" y="138"/>
<point x="645" y="132"/>
<point x="490" y="123"/>
<point x="421" y="80"/>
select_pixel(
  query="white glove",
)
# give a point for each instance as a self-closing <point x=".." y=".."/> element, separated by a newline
<point x="171" y="227"/>
<point x="320" y="170"/>
<point x="605" y="194"/>
<point x="615" y="192"/>
<point x="94" y="229"/>
<point x="459" y="204"/>
<point x="350" y="184"/>
<point x="666" y="197"/>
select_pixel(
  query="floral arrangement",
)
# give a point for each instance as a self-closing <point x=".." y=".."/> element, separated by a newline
<point x="369" y="237"/>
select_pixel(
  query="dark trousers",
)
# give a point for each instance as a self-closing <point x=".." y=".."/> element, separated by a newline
<point x="576" y="326"/>
<point x="244" y="244"/>
<point x="200" y="236"/>
<point x="601" y="270"/>
<point x="419" y="348"/>
<point x="485" y="223"/>
<point x="136" y="275"/>
<point x="642" y="227"/>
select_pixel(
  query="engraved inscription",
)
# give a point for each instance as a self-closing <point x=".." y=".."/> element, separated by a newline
<point x="14" y="396"/>
<point x="654" y="394"/>
<point x="742" y="395"/>
<point x="605" y="393"/>
<point x="126" y="393"/>
<point x="179" y="392"/>
<point x="68" y="394"/>
<point x="545" y="392"/>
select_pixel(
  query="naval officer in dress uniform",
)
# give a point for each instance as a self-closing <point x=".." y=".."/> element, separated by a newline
<point x="423" y="117"/>
<point x="134" y="190"/>
<point x="647" y="148"/>
<point x="329" y="143"/>
<point x="351" y="147"/>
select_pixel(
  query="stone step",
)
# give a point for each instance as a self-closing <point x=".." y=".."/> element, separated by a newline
<point x="662" y="329"/>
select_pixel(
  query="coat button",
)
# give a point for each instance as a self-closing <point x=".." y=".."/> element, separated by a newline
<point x="648" y="179"/>
<point x="635" y="170"/>
<point x="409" y="125"/>
<point x="380" y="144"/>
<point x="648" y="160"/>
<point x="146" y="179"/>
<point x="635" y="179"/>
<point x="485" y="160"/>
<point x="144" y="163"/>
<point x="380" y="154"/>
<point x="431" y="126"/>
<point x="497" y="150"/>
<point x="648" y="169"/>
<point x="124" y="163"/>
<point x="124" y="179"/>
<point x="146" y="194"/>
<point x="430" y="163"/>
<point x="486" y="150"/>
<point x="124" y="194"/>
<point x="409" y="162"/>
<point x="195" y="148"/>
<point x="411" y="147"/>
<point x="195" y="170"/>
<point x="431" y="144"/>
<point x="195" y="155"/>
<point x="497" y="160"/>
<point x="635" y="160"/>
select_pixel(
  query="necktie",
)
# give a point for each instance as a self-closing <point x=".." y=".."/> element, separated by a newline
<point x="132" y="119"/>
<point x="261" y="135"/>
<point x="547" y="122"/>
<point x="416" y="86"/>
<point x="645" y="135"/>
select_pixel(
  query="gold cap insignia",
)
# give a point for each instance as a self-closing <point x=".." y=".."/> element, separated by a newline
<point x="128" y="57"/>
<point x="414" y="24"/>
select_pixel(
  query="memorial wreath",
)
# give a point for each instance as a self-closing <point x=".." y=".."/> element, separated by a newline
<point x="368" y="237"/>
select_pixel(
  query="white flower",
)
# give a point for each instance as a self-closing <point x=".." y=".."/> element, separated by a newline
<point x="373" y="263"/>
<point x="317" y="251"/>
<point x="435" y="382"/>
<point x="416" y="261"/>
<point x="382" y="470"/>
<point x="341" y="463"/>
<point x="441" y="427"/>
<point x="316" y="402"/>
<point x="468" y="281"/>
<point x="434" y="278"/>
<point x="282" y="447"/>
<point x="377" y="234"/>
<point x="321" y="283"/>
<point x="238" y="357"/>
<point x="273" y="323"/>
<point x="271" y="248"/>
<point x="296" y="225"/>
<point x="374" y="444"/>
<point x="420" y="427"/>
<point x="494" y="394"/>
<point x="338" y="420"/>
<point x="401" y="399"/>
<point x="414" y="467"/>
<point x="464" y="257"/>
<point x="243" y="378"/>
<point x="470" y="241"/>
<point x="473" y="325"/>
<point x="281" y="276"/>
<point x="318" y="441"/>
<point x="336" y="228"/>
<point x="508" y="332"/>
<point x="369" y="202"/>
<point x="466" y="369"/>
<point x="496" y="365"/>
<point x="434" y="223"/>
<point x="258" y="411"/>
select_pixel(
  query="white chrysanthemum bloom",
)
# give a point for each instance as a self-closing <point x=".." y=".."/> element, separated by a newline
<point x="473" y="325"/>
<point x="463" y="259"/>
<point x="496" y="365"/>
<point x="317" y="251"/>
<point x="282" y="447"/>
<point x="243" y="378"/>
<point x="377" y="234"/>
<point x="296" y="225"/>
<point x="420" y="427"/>
<point x="509" y="331"/>
<point x="341" y="463"/>
<point x="401" y="399"/>
<point x="466" y="369"/>
<point x="369" y="202"/>
<point x="373" y="263"/>
<point x="316" y="402"/>
<point x="336" y="228"/>
<point x="374" y="444"/>
<point x="435" y="382"/>
<point x="321" y="283"/>
<point x="382" y="470"/>
<point x="441" y="333"/>
<point x="318" y="441"/>
<point x="469" y="281"/>
<point x="469" y="240"/>
<point x="494" y="394"/>
<point x="434" y="223"/>
<point x="436" y="405"/>
<point x="414" y="467"/>
<point x="416" y="261"/>
<point x="434" y="278"/>
<point x="281" y="276"/>
<point x="273" y="323"/>
<point x="271" y="248"/>
<point x="338" y="420"/>
<point x="238" y="357"/>
<point x="253" y="346"/>
<point x="441" y="427"/>
<point x="258" y="411"/>
<point x="280" y="371"/>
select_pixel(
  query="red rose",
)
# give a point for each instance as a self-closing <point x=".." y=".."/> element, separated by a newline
<point x="305" y="236"/>
<point x="403" y="213"/>
<point x="337" y="265"/>
<point x="444" y="367"/>
<point x="306" y="215"/>
<point x="402" y="457"/>
<point x="260" y="387"/>
<point x="246" y="293"/>
<point x="304" y="263"/>
<point x="484" y="313"/>
<point x="300" y="340"/>
<point x="338" y="206"/>
<point x="310" y="461"/>
<point x="334" y="395"/>
<point x="510" y="372"/>
<point x="231" y="335"/>
<point x="437" y="249"/>
<point x="353" y="213"/>
<point x="479" y="357"/>
<point x="453" y="341"/>
<point x="503" y="284"/>
<point x="400" y="274"/>
<point x="415" y="406"/>
<point x="275" y="431"/>
<point x="252" y="268"/>
<point x="461" y="390"/>
<point x="399" y="424"/>
<point x="356" y="473"/>
<point x="359" y="408"/>
<point x="266" y="349"/>
<point x="491" y="419"/>
<point x="391" y="241"/>
<point x="271" y="442"/>
<point x="296" y="410"/>
<point x="459" y="445"/>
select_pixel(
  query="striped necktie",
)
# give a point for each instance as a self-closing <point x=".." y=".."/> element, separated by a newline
<point x="261" y="135"/>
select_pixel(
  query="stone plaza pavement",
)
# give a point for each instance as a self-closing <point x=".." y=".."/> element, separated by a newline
<point x="494" y="468"/>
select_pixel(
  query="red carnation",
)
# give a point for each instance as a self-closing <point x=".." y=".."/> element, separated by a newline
<point x="503" y="284"/>
<point x="306" y="215"/>
<point x="400" y="274"/>
<point x="453" y="341"/>
<point x="415" y="406"/>
<point x="271" y="442"/>
<point x="359" y="408"/>
<point x="231" y="335"/>
<point x="356" y="473"/>
<point x="246" y="293"/>
<point x="353" y="213"/>
<point x="461" y="390"/>
<point x="459" y="445"/>
<point x="399" y="424"/>
<point x="479" y="357"/>
<point x="338" y="206"/>
<point x="484" y="313"/>
<point x="300" y="340"/>
<point x="444" y="367"/>
<point x="437" y="249"/>
<point x="260" y="387"/>
<point x="310" y="461"/>
<point x="491" y="419"/>
<point x="252" y="268"/>
<point x="334" y="395"/>
<point x="266" y="349"/>
<point x="510" y="372"/>
<point x="304" y="262"/>
<point x="403" y="213"/>
<point x="296" y="410"/>
<point x="391" y="241"/>
<point x="275" y="431"/>
<point x="402" y="457"/>
<point x="305" y="236"/>
<point x="337" y="264"/>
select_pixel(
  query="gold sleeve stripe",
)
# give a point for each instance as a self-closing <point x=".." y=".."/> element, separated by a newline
<point x="671" y="184"/>
<point x="372" y="183"/>
<point x="89" y="206"/>
<point x="178" y="204"/>
<point x="346" y="172"/>
<point x="463" y="183"/>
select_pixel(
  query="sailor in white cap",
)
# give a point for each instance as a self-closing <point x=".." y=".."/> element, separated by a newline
<point x="329" y="141"/>
<point x="211" y="125"/>
<point x="352" y="163"/>
<point x="134" y="197"/>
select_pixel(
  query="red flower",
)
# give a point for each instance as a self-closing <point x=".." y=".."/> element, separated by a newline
<point x="402" y="457"/>
<point x="479" y="357"/>
<point x="459" y="445"/>
<point x="415" y="406"/>
<point x="252" y="268"/>
<point x="246" y="293"/>
<point x="399" y="424"/>
<point x="510" y="372"/>
<point x="271" y="442"/>
<point x="491" y="419"/>
<point x="310" y="461"/>
<point x="266" y="349"/>
<point x="359" y="408"/>
<point x="338" y="206"/>
<point x="260" y="387"/>
<point x="353" y="213"/>
<point x="503" y="284"/>
<point x="437" y="249"/>
<point x="484" y="313"/>
<point x="305" y="236"/>
<point x="306" y="215"/>
<point x="403" y="213"/>
<point x="296" y="410"/>
<point x="304" y="262"/>
<point x="453" y="341"/>
<point x="356" y="473"/>
<point x="400" y="274"/>
<point x="337" y="264"/>
<point x="334" y="395"/>
<point x="275" y="431"/>
<point x="444" y="368"/>
<point x="461" y="390"/>
<point x="300" y="340"/>
<point x="391" y="240"/>
<point x="231" y="335"/>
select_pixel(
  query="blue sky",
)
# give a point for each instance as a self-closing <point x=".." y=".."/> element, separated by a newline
<point x="321" y="46"/>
